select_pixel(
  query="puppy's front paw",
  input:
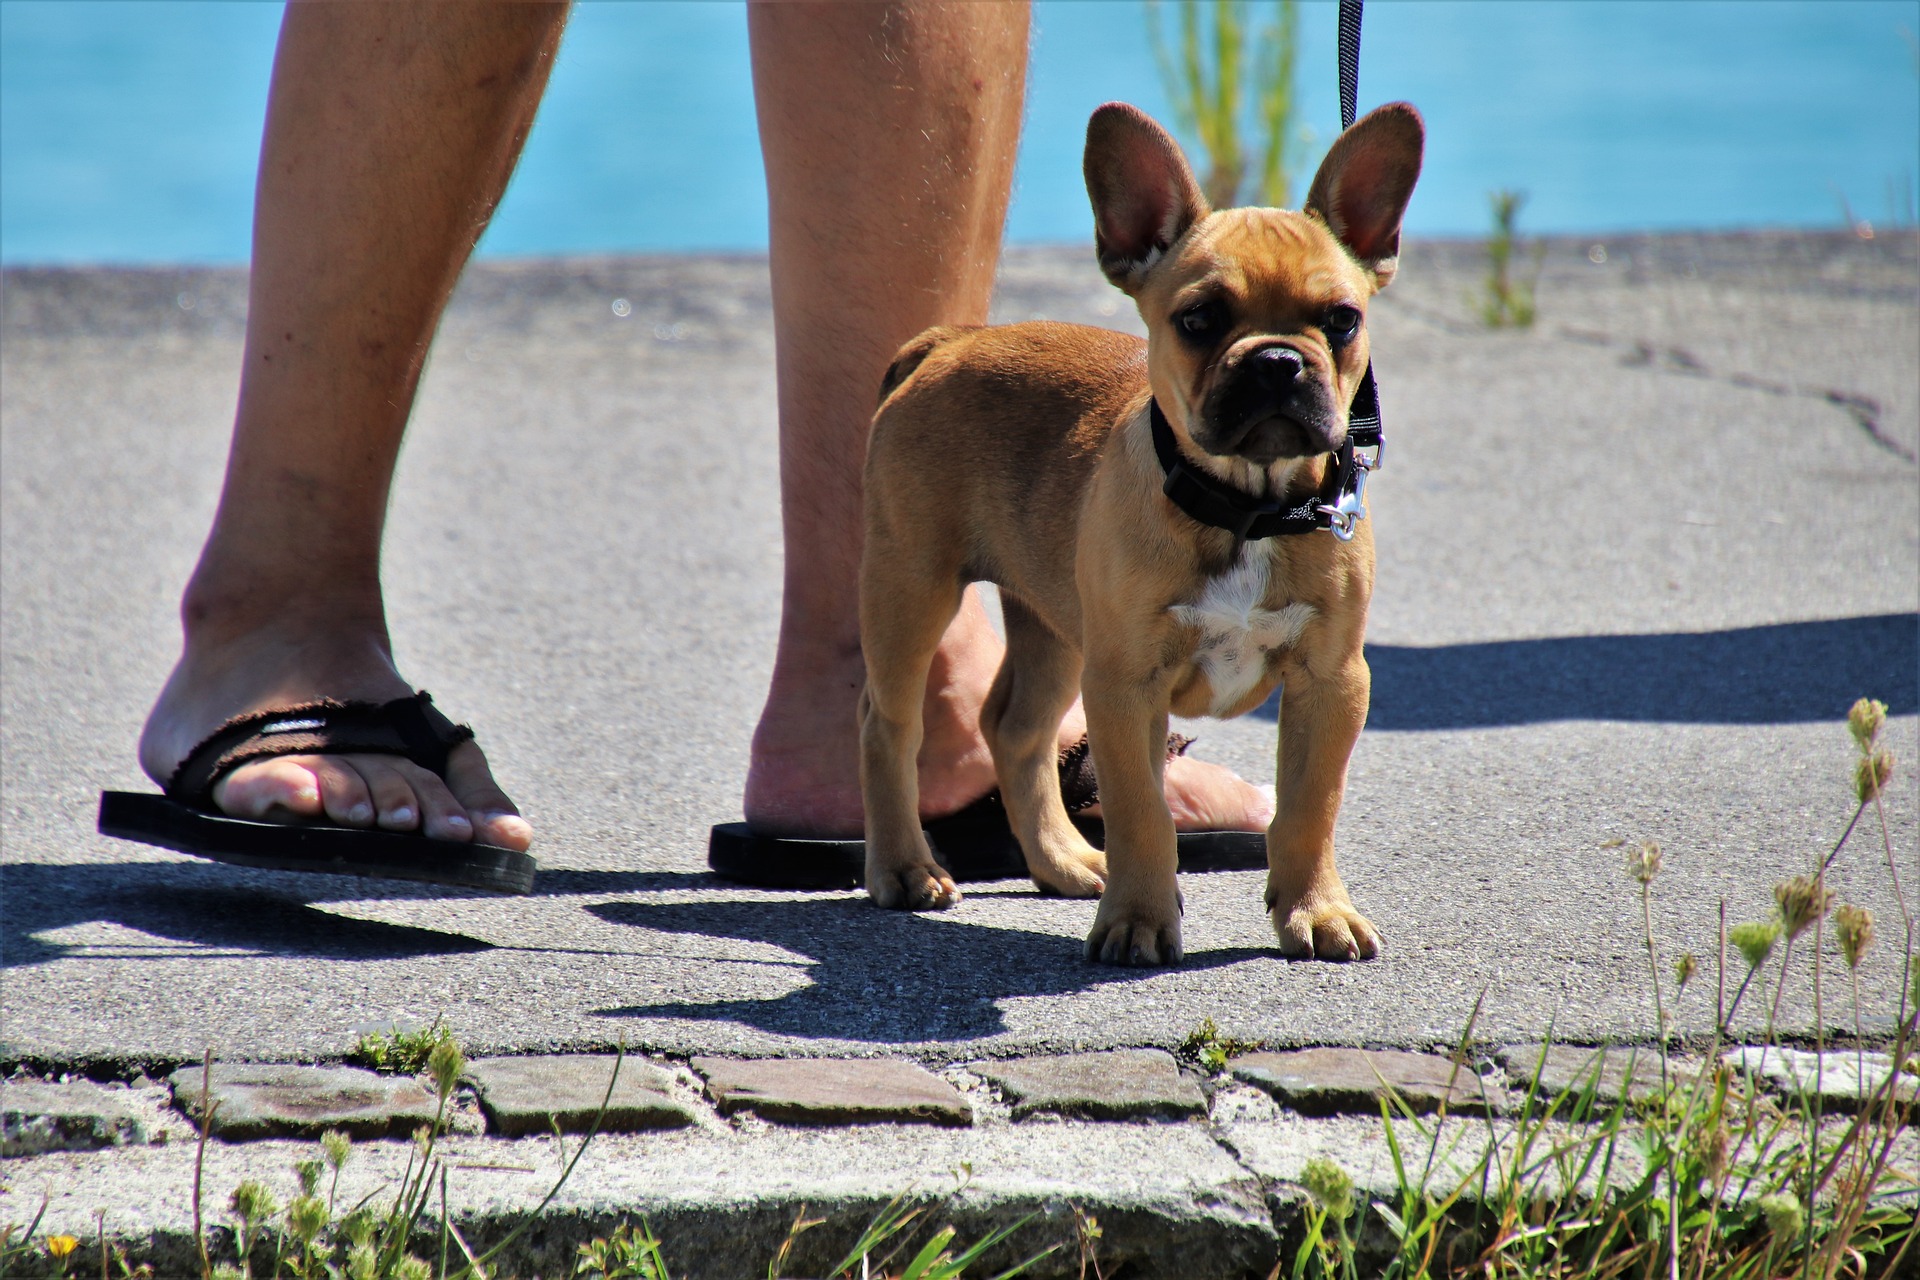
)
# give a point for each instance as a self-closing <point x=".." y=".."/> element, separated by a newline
<point x="917" y="886"/>
<point x="1138" y="936"/>
<point x="1324" y="926"/>
<point x="1072" y="873"/>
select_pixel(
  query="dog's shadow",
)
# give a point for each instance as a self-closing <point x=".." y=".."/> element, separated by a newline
<point x="885" y="977"/>
<point x="869" y="975"/>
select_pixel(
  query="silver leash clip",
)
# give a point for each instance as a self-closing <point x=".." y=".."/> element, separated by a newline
<point x="1350" y="507"/>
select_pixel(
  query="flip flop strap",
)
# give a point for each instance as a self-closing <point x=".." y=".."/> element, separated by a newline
<point x="1079" y="788"/>
<point x="412" y="728"/>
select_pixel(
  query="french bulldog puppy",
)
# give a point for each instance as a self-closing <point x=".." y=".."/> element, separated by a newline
<point x="1175" y="526"/>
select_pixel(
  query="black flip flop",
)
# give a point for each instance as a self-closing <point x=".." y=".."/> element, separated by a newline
<point x="185" y="819"/>
<point x="977" y="843"/>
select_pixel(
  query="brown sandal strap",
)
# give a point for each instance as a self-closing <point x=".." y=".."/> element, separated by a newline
<point x="412" y="728"/>
<point x="1079" y="788"/>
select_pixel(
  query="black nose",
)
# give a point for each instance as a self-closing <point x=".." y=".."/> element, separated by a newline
<point x="1274" y="369"/>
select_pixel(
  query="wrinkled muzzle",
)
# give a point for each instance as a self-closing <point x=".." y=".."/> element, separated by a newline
<point x="1268" y="404"/>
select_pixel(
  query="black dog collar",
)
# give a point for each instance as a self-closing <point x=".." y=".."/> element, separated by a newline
<point x="1249" y="518"/>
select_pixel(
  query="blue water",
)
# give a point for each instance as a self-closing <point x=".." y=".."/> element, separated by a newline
<point x="128" y="132"/>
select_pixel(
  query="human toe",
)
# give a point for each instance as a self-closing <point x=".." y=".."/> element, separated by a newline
<point x="1209" y="797"/>
<point x="394" y="800"/>
<point x="495" y="819"/>
<point x="285" y="787"/>
<point x="441" y="816"/>
<point x="343" y="792"/>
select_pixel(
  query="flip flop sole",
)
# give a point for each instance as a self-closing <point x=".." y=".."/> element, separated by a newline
<point x="969" y="846"/>
<point x="339" y="851"/>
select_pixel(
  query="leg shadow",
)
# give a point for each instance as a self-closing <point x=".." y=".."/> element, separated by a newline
<point x="200" y="905"/>
<point x="884" y="977"/>
<point x="1788" y="673"/>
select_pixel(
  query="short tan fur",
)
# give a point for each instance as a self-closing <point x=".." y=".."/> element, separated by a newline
<point x="1021" y="455"/>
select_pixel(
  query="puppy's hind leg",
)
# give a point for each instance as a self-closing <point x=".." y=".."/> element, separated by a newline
<point x="904" y="610"/>
<point x="1037" y="682"/>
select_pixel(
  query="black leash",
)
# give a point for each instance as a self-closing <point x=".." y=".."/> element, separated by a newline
<point x="1363" y="418"/>
<point x="1247" y="517"/>
<point x="1349" y="61"/>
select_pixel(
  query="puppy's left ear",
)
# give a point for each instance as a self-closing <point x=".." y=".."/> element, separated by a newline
<point x="1143" y="192"/>
<point x="1363" y="186"/>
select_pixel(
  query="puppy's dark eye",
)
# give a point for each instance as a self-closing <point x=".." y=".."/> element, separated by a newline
<point x="1342" y="323"/>
<point x="1202" y="322"/>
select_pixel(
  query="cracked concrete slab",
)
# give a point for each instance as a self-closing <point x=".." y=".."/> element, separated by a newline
<point x="575" y="1092"/>
<point x="75" y="1115"/>
<point x="1841" y="1080"/>
<point x="260" y="1100"/>
<point x="1607" y="1073"/>
<point x="832" y="1091"/>
<point x="1119" y="1084"/>
<point x="1333" y="1081"/>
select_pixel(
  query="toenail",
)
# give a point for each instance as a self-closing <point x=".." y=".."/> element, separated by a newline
<point x="456" y="820"/>
<point x="360" y="813"/>
<point x="403" y="814"/>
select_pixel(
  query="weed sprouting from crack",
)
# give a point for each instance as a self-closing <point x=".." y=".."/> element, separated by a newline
<point x="1208" y="1049"/>
<point x="401" y="1052"/>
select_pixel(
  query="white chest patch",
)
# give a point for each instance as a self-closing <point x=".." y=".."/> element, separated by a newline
<point x="1236" y="633"/>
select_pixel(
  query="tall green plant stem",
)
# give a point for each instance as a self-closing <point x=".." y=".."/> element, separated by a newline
<point x="1206" y="70"/>
<point x="1660" y="1029"/>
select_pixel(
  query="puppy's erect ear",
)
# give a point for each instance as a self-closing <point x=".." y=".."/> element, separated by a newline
<point x="1144" y="196"/>
<point x="1363" y="186"/>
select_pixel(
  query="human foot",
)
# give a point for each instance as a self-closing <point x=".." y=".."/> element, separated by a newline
<point x="803" y="776"/>
<point x="226" y="674"/>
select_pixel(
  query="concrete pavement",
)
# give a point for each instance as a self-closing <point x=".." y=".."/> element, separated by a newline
<point x="1621" y="595"/>
<point x="1634" y="565"/>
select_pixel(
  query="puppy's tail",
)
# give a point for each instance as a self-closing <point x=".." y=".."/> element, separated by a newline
<point x="915" y="352"/>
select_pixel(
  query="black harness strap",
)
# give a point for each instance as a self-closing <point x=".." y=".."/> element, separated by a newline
<point x="1212" y="502"/>
<point x="1250" y="518"/>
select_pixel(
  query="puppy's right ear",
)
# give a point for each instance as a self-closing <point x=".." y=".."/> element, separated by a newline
<point x="1143" y="192"/>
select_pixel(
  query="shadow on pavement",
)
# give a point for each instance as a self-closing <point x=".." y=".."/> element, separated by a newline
<point x="207" y="904"/>
<point x="187" y="903"/>
<point x="886" y="977"/>
<point x="1788" y="673"/>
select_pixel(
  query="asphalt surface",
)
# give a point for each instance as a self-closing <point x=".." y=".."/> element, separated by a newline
<point x="1634" y="565"/>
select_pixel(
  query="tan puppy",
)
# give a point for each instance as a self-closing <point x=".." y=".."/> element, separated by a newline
<point x="1025" y="455"/>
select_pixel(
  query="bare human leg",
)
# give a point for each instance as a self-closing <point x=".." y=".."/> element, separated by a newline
<point x="391" y="131"/>
<point x="889" y="133"/>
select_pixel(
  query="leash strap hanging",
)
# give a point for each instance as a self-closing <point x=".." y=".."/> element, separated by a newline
<point x="1349" y="61"/>
<point x="1363" y="418"/>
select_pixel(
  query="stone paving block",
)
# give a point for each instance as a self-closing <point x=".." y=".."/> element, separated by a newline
<point x="1325" y="1082"/>
<point x="521" y="1095"/>
<point x="1842" y="1079"/>
<point x="262" y="1100"/>
<point x="73" y="1115"/>
<point x="833" y="1091"/>
<point x="1119" y="1084"/>
<point x="1630" y="1069"/>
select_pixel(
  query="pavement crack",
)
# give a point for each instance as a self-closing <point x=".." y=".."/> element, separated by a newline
<point x="1637" y="353"/>
<point x="1865" y="411"/>
<point x="1640" y="354"/>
